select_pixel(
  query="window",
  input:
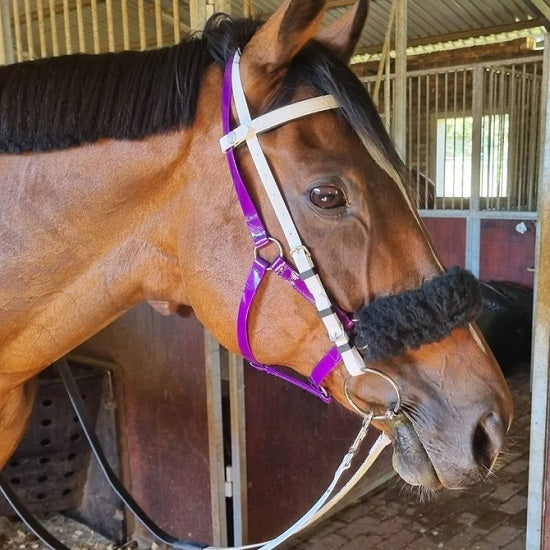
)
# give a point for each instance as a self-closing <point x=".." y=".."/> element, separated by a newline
<point x="454" y="156"/>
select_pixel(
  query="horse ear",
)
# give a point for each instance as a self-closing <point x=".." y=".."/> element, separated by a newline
<point x="266" y="57"/>
<point x="342" y="35"/>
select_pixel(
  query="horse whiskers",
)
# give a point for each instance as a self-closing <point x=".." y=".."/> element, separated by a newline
<point x="420" y="492"/>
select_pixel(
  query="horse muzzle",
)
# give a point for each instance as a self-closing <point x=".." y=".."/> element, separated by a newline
<point x="437" y="459"/>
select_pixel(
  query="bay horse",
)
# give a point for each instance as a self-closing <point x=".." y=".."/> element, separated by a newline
<point x="114" y="191"/>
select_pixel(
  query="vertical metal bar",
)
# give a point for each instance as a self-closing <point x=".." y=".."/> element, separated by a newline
<point x="238" y="449"/>
<point x="141" y="24"/>
<point x="176" y="14"/>
<point x="489" y="140"/>
<point x="53" y="27"/>
<point x="125" y="29"/>
<point x="538" y="468"/>
<point x="427" y="144"/>
<point x="486" y="147"/>
<point x="455" y="98"/>
<point x="473" y="222"/>
<point x="41" y="28"/>
<point x="6" y="46"/>
<point x="436" y="109"/>
<point x="80" y="24"/>
<point x="464" y="111"/>
<point x="215" y="438"/>
<point x="418" y="137"/>
<point x="28" y="26"/>
<point x="513" y="137"/>
<point x="158" y="23"/>
<point x="532" y="139"/>
<point x="385" y="55"/>
<point x="67" y="27"/>
<point x="95" y="26"/>
<point x="522" y="136"/>
<point x="110" y="25"/>
<point x="17" y="28"/>
<point x="387" y="99"/>
<point x="510" y="104"/>
<point x="410" y="154"/>
<point x="400" y="95"/>
<point x="501" y="139"/>
<point x="446" y="93"/>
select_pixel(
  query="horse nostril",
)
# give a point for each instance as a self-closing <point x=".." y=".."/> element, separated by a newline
<point x="488" y="439"/>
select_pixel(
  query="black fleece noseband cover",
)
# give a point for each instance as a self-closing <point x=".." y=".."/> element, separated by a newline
<point x="391" y="324"/>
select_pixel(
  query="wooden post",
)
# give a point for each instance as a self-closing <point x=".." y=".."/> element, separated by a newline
<point x="6" y="46"/>
<point x="238" y="449"/>
<point x="400" y="96"/>
<point x="212" y="364"/>
<point x="538" y="513"/>
<point x="200" y="11"/>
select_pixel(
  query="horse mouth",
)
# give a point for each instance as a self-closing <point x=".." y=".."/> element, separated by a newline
<point x="410" y="458"/>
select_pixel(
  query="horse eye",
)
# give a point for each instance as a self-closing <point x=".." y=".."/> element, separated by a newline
<point x="327" y="197"/>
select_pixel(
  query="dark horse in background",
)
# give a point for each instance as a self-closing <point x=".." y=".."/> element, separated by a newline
<point x="114" y="191"/>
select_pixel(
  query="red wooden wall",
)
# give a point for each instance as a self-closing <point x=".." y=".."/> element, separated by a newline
<point x="449" y="238"/>
<point x="505" y="253"/>
<point x="163" y="431"/>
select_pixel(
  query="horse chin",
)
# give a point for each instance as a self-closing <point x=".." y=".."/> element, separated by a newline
<point x="410" y="459"/>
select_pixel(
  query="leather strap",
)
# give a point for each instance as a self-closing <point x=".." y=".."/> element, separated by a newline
<point x="276" y="118"/>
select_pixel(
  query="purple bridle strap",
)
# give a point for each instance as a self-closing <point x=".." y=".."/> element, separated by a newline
<point x="260" y="267"/>
<point x="251" y="215"/>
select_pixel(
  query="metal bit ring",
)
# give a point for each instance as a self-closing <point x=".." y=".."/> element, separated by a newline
<point x="391" y="412"/>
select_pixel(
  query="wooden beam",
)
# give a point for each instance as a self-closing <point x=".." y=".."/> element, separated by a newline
<point x="474" y="33"/>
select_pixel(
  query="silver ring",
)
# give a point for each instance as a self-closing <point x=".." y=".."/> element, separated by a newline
<point x="390" y="412"/>
<point x="271" y="239"/>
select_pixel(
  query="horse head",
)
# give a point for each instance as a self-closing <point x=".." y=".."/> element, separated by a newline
<point x="345" y="188"/>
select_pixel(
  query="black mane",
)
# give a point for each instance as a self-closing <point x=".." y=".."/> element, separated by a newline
<point x="67" y="101"/>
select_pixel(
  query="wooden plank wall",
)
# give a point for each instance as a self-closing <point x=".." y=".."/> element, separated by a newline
<point x="506" y="254"/>
<point x="294" y="444"/>
<point x="161" y="385"/>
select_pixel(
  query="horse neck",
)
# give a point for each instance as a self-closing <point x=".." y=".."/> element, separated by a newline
<point x="86" y="232"/>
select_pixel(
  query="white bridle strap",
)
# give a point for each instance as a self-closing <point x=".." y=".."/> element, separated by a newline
<point x="275" y="118"/>
<point x="248" y="132"/>
<point x="324" y="504"/>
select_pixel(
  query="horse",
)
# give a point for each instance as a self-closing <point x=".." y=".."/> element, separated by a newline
<point x="115" y="191"/>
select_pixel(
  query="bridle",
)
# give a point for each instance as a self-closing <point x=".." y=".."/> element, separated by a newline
<point x="304" y="278"/>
